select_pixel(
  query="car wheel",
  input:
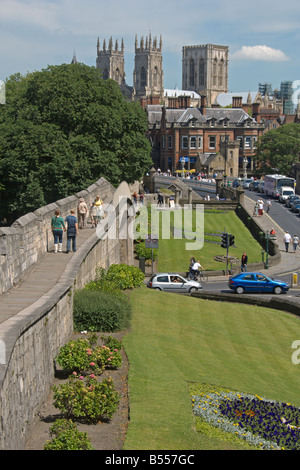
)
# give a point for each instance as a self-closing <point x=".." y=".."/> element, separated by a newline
<point x="239" y="290"/>
<point x="193" y="289"/>
<point x="157" y="288"/>
<point x="277" y="290"/>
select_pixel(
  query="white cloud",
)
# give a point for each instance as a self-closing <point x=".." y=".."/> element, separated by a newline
<point x="264" y="53"/>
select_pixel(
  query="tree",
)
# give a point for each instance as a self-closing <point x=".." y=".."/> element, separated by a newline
<point x="279" y="149"/>
<point x="62" y="128"/>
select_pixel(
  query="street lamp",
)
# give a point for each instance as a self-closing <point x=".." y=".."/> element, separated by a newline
<point x="245" y="164"/>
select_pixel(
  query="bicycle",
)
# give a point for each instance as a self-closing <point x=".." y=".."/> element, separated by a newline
<point x="199" y="276"/>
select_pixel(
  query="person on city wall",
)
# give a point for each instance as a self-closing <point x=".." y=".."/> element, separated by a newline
<point x="244" y="262"/>
<point x="295" y="242"/>
<point x="82" y="213"/>
<point x="72" y="230"/>
<point x="58" y="227"/>
<point x="287" y="240"/>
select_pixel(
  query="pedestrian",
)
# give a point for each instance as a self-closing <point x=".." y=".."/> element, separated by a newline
<point x="269" y="205"/>
<point x="260" y="207"/>
<point x="255" y="210"/>
<point x="99" y="209"/>
<point x="135" y="198"/>
<point x="244" y="262"/>
<point x="93" y="213"/>
<point x="295" y="242"/>
<point x="82" y="213"/>
<point x="141" y="197"/>
<point x="287" y="240"/>
<point x="58" y="227"/>
<point x="72" y="230"/>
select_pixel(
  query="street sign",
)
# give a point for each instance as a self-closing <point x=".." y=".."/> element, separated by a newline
<point x="151" y="241"/>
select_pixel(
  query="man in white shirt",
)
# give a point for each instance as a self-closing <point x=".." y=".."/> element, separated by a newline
<point x="287" y="240"/>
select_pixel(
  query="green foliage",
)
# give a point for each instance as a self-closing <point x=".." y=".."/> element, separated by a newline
<point x="125" y="276"/>
<point x="278" y="149"/>
<point x="118" y="277"/>
<point x="61" y="129"/>
<point x="67" y="437"/>
<point x="112" y="342"/>
<point x="86" y="399"/>
<point x="82" y="357"/>
<point x="96" y="310"/>
<point x="143" y="252"/>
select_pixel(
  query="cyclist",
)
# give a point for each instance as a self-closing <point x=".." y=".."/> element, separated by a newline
<point x="195" y="269"/>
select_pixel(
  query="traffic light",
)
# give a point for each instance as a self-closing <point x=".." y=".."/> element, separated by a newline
<point x="231" y="240"/>
<point x="224" y="243"/>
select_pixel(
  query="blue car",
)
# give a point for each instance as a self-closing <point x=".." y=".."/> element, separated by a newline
<point x="256" y="282"/>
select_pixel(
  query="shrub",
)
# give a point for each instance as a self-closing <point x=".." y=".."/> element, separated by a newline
<point x="95" y="310"/>
<point x="143" y="252"/>
<point x="67" y="437"/>
<point x="80" y="356"/>
<point x="111" y="342"/>
<point x="125" y="276"/>
<point x="86" y="399"/>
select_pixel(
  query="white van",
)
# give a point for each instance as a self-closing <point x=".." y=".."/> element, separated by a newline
<point x="285" y="192"/>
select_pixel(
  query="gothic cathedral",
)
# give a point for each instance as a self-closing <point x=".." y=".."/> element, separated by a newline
<point x="148" y="85"/>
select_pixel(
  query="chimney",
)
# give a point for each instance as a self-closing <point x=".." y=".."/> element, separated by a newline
<point x="203" y="105"/>
<point x="237" y="101"/>
<point x="256" y="111"/>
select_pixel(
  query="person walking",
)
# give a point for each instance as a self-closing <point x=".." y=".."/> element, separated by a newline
<point x="255" y="210"/>
<point x="260" y="207"/>
<point x="72" y="230"/>
<point x="99" y="209"/>
<point x="295" y="242"/>
<point x="82" y="213"/>
<point x="58" y="227"/>
<point x="244" y="262"/>
<point x="287" y="240"/>
<point x="269" y="205"/>
<point x="93" y="214"/>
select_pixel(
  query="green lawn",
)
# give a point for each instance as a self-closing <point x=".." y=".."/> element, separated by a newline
<point x="176" y="339"/>
<point x="174" y="254"/>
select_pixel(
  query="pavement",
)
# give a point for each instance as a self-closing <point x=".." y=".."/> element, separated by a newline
<point x="46" y="273"/>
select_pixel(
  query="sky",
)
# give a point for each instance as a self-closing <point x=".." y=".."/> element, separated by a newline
<point x="263" y="36"/>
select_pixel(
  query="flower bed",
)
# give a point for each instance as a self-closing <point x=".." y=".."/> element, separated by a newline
<point x="263" y="423"/>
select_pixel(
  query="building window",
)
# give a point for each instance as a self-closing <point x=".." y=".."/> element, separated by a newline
<point x="193" y="142"/>
<point x="163" y="142"/>
<point x="192" y="73"/>
<point x="201" y="72"/>
<point x="169" y="141"/>
<point x="241" y="142"/>
<point x="143" y="77"/>
<point x="247" y="142"/>
<point x="212" y="141"/>
<point x="200" y="142"/>
<point x="184" y="143"/>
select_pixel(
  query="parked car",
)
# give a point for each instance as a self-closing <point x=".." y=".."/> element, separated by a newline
<point x="236" y="183"/>
<point x="256" y="282"/>
<point x="173" y="282"/>
<point x="246" y="183"/>
<point x="296" y="206"/>
<point x="260" y="187"/>
<point x="253" y="185"/>
<point x="291" y="200"/>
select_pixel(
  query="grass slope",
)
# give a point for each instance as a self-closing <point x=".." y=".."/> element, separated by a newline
<point x="178" y="339"/>
<point x="174" y="254"/>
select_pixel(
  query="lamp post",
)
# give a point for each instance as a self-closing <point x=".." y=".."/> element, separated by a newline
<point x="245" y="164"/>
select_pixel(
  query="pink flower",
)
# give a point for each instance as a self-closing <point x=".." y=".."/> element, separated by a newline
<point x="92" y="364"/>
<point x="81" y="377"/>
<point x="92" y="376"/>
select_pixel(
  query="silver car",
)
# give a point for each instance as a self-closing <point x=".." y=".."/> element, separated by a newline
<point x="173" y="282"/>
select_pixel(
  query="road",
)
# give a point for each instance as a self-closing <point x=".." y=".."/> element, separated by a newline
<point x="284" y="219"/>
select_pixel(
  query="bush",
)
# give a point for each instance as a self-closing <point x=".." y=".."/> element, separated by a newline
<point x="80" y="356"/>
<point x="86" y="399"/>
<point x="67" y="437"/>
<point x="143" y="252"/>
<point x="125" y="276"/>
<point x="118" y="277"/>
<point x="96" y="310"/>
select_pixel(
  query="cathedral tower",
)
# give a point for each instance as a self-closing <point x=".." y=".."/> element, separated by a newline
<point x="205" y="70"/>
<point x="110" y="60"/>
<point x="148" y="70"/>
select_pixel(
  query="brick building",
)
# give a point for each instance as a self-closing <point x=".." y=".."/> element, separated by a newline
<point x="214" y="140"/>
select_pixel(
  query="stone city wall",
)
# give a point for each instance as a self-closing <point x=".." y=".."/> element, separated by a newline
<point x="30" y="237"/>
<point x="33" y="337"/>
